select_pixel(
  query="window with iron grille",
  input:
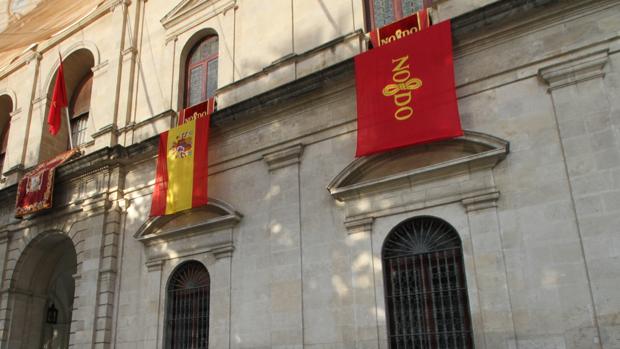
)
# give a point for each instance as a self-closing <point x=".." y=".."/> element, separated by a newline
<point x="384" y="12"/>
<point x="201" y="74"/>
<point x="187" y="307"/>
<point x="425" y="289"/>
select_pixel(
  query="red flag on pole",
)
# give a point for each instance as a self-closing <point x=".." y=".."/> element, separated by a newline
<point x="406" y="93"/>
<point x="59" y="101"/>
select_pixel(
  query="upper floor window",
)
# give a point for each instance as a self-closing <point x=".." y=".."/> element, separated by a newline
<point x="4" y="137"/>
<point x="187" y="307"/>
<point x="6" y="107"/>
<point x="384" y="12"/>
<point x="201" y="73"/>
<point x="79" y="109"/>
<point x="425" y="289"/>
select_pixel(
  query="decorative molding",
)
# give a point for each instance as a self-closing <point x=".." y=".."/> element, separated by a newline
<point x="105" y="129"/>
<point x="220" y="223"/>
<point x="15" y="112"/>
<point x="481" y="202"/>
<point x="19" y="169"/>
<point x="284" y="157"/>
<point x="181" y="13"/>
<point x="587" y="67"/>
<point x="223" y="251"/>
<point x="4" y="236"/>
<point x="369" y="189"/>
<point x="213" y="235"/>
<point x="339" y="190"/>
<point x="361" y="225"/>
<point x="154" y="265"/>
<point x="100" y="68"/>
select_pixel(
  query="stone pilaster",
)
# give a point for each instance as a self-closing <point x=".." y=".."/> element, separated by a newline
<point x="363" y="282"/>
<point x="285" y="245"/>
<point x="497" y="328"/>
<point x="584" y="107"/>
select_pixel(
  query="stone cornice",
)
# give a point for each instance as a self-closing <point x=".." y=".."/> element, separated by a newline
<point x="101" y="10"/>
<point x="586" y="67"/>
<point x="284" y="157"/>
<point x="184" y="10"/>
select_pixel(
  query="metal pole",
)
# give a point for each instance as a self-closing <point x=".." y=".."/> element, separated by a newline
<point x="69" y="128"/>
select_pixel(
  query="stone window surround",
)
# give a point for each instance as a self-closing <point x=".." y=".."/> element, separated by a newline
<point x="209" y="242"/>
<point x="478" y="196"/>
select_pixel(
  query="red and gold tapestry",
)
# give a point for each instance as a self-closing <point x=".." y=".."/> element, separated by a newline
<point x="182" y="168"/>
<point x="200" y="110"/>
<point x="405" y="92"/>
<point x="35" y="190"/>
<point x="398" y="30"/>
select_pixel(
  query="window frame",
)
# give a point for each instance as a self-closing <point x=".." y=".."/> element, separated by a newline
<point x="423" y="297"/>
<point x="205" y="76"/>
<point x="74" y="119"/>
<point x="398" y="11"/>
<point x="170" y="306"/>
<point x="4" y="139"/>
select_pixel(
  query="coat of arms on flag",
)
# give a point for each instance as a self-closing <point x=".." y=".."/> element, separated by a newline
<point x="182" y="168"/>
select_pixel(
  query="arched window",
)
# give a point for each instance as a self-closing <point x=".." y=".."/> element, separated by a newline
<point x="79" y="109"/>
<point x="201" y="72"/>
<point x="425" y="289"/>
<point x="6" y="107"/>
<point x="187" y="308"/>
<point x="384" y="12"/>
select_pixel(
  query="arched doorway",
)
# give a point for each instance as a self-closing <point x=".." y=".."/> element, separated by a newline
<point x="42" y="294"/>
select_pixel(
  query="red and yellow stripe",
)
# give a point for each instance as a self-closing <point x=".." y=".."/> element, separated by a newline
<point x="182" y="168"/>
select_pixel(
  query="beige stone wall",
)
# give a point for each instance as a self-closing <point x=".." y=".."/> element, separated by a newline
<point x="302" y="267"/>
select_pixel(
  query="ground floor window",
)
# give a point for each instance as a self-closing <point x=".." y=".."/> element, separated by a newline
<point x="426" y="293"/>
<point x="187" y="307"/>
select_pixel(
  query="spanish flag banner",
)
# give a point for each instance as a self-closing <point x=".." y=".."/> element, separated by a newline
<point x="182" y="168"/>
<point x="406" y="93"/>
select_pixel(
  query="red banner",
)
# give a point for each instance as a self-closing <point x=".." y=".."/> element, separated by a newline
<point x="398" y="30"/>
<point x="35" y="190"/>
<point x="197" y="111"/>
<point x="406" y="93"/>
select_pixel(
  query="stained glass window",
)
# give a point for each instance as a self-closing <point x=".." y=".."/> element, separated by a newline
<point x="426" y="293"/>
<point x="187" y="307"/>
<point x="202" y="71"/>
<point x="384" y="12"/>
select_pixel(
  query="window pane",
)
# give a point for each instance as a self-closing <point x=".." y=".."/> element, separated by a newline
<point x="209" y="48"/>
<point x="195" y="57"/>
<point x="211" y="78"/>
<point x="79" y="127"/>
<point x="383" y="12"/>
<point x="196" y="82"/>
<point x="411" y="6"/>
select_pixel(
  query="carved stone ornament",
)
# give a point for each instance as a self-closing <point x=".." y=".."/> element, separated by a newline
<point x="206" y="229"/>
<point x="413" y="178"/>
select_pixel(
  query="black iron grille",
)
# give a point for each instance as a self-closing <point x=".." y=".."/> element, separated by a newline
<point x="187" y="318"/>
<point x="426" y="294"/>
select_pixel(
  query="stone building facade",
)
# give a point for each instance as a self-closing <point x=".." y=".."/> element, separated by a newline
<point x="293" y="248"/>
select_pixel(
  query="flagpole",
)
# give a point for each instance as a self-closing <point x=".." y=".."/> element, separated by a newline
<point x="69" y="127"/>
